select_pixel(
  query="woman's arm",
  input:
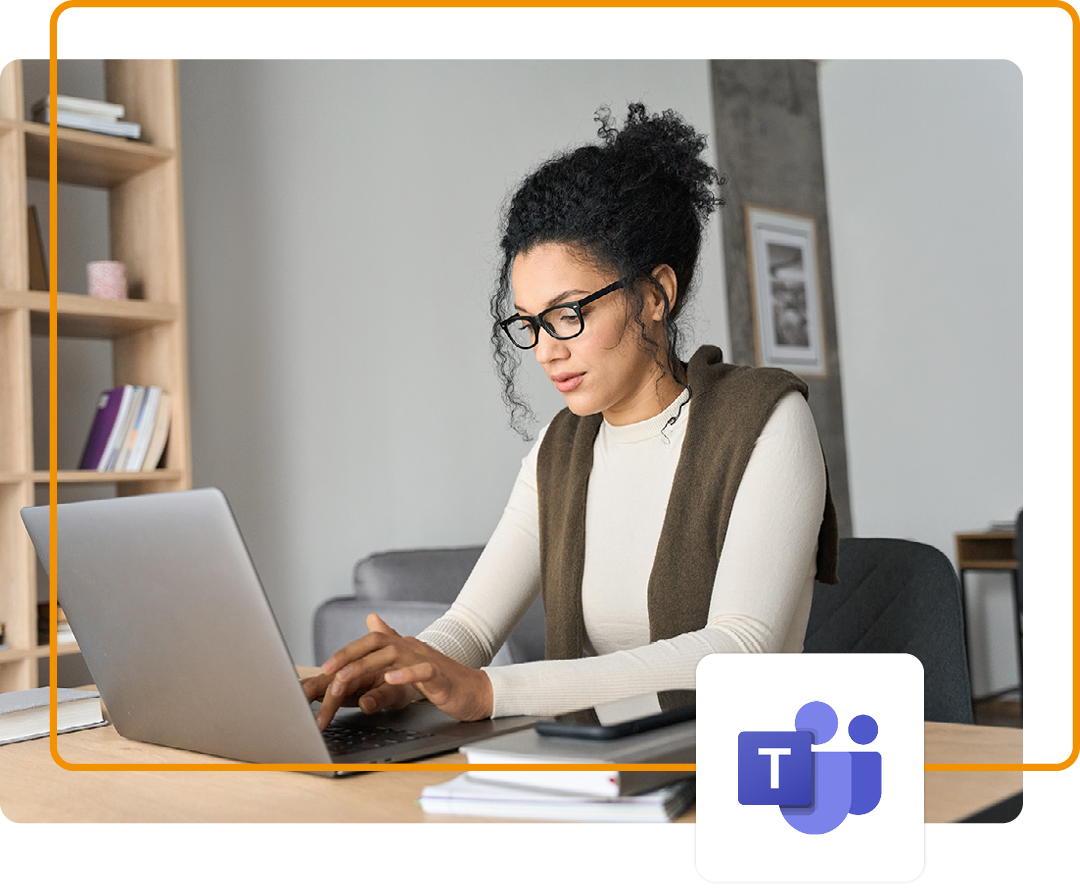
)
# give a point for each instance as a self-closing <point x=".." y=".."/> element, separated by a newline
<point x="761" y="593"/>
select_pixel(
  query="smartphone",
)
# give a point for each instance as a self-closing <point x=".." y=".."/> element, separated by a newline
<point x="584" y="725"/>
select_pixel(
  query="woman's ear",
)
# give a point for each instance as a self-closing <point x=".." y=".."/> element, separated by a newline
<point x="664" y="275"/>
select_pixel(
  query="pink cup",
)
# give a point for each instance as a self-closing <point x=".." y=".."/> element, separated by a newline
<point x="107" y="279"/>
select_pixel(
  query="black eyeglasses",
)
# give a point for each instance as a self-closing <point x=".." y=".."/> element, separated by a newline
<point x="563" y="322"/>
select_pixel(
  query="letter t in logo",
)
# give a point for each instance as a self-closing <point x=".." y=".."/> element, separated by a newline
<point x="774" y="755"/>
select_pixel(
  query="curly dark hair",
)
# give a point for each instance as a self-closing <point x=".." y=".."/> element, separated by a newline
<point x="637" y="200"/>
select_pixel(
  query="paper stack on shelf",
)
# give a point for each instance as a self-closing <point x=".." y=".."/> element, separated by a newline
<point x="87" y="114"/>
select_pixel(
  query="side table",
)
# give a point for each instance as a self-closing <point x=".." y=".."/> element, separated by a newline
<point x="990" y="551"/>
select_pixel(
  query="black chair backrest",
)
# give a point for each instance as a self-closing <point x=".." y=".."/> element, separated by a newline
<point x="898" y="596"/>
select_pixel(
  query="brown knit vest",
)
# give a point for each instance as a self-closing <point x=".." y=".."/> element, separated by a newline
<point x="729" y="407"/>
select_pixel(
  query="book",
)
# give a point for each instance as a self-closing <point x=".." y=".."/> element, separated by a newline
<point x="160" y="434"/>
<point x="108" y="407"/>
<point x="25" y="714"/>
<point x="93" y="107"/>
<point x="669" y="744"/>
<point x="39" y="270"/>
<point x="119" y="430"/>
<point x="464" y="796"/>
<point x="127" y="442"/>
<point x="144" y="429"/>
<point x="127" y="129"/>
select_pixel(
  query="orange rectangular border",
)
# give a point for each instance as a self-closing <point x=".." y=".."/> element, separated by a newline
<point x="53" y="487"/>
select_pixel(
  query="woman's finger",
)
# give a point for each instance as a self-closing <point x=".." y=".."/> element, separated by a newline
<point x="368" y="670"/>
<point x="356" y="650"/>
<point x="314" y="687"/>
<point x="422" y="673"/>
<point x="332" y="699"/>
<point x="375" y="624"/>
<point x="385" y="697"/>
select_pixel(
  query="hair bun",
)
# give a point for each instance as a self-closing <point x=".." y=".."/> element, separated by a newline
<point x="665" y="145"/>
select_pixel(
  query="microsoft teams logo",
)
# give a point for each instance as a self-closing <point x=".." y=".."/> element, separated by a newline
<point x="815" y="790"/>
<point x="810" y="768"/>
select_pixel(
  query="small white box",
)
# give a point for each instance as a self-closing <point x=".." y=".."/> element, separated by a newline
<point x="852" y="831"/>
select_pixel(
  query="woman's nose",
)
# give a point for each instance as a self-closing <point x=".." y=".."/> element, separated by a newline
<point x="548" y="349"/>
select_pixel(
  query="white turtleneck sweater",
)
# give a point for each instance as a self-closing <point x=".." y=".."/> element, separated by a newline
<point x="761" y="593"/>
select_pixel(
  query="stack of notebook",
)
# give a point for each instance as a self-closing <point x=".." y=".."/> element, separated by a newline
<point x="603" y="795"/>
<point x="25" y="714"/>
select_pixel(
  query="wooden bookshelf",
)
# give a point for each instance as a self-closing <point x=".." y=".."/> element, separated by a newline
<point x="147" y="333"/>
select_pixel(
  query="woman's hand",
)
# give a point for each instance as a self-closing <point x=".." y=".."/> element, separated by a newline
<point x="387" y="671"/>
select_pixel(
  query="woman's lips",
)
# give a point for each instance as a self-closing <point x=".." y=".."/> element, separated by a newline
<point x="567" y="382"/>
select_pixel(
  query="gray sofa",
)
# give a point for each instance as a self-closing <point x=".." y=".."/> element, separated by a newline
<point x="409" y="589"/>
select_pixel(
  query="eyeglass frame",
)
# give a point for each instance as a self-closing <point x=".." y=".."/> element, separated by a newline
<point x="536" y="322"/>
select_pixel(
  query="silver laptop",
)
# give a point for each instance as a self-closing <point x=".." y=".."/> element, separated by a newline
<point x="179" y="637"/>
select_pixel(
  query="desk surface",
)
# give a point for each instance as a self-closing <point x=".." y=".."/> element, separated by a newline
<point x="34" y="789"/>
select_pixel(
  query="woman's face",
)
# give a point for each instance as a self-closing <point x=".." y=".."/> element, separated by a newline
<point x="607" y="368"/>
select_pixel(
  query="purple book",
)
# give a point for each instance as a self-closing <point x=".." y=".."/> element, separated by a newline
<point x="107" y="409"/>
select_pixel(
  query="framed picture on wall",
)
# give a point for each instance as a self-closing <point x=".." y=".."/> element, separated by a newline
<point x="788" y="327"/>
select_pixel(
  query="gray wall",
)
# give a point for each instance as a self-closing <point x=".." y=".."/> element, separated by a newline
<point x="923" y="163"/>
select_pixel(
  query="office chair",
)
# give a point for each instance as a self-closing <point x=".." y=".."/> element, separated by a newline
<point x="1019" y="588"/>
<point x="409" y="589"/>
<point x="898" y="596"/>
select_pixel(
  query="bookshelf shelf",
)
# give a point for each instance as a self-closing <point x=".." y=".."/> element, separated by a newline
<point x="10" y="655"/>
<point x="84" y="477"/>
<point x="147" y="334"/>
<point x="61" y="649"/>
<point x="80" y="316"/>
<point x="84" y="158"/>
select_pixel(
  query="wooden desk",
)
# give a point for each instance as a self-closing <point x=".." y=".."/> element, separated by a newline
<point x="953" y="796"/>
<point x="990" y="551"/>
<point x="34" y="789"/>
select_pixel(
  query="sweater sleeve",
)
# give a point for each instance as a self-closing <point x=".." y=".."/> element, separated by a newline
<point x="761" y="594"/>
<point x="504" y="582"/>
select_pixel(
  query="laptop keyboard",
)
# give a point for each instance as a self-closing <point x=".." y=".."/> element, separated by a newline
<point x="343" y="739"/>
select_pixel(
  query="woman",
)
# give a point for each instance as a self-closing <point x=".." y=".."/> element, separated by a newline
<point x="672" y="510"/>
